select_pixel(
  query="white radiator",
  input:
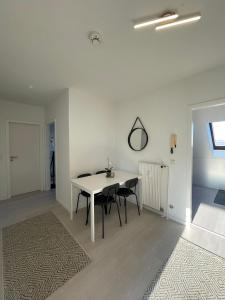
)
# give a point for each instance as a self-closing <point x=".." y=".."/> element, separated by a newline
<point x="154" y="186"/>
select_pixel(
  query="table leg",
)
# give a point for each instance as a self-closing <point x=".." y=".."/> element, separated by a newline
<point x="140" y="194"/>
<point x="92" y="217"/>
<point x="71" y="199"/>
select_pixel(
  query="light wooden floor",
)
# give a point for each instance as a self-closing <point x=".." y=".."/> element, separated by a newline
<point x="206" y="213"/>
<point x="124" y="262"/>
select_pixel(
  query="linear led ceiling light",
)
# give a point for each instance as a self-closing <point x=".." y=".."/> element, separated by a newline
<point x="178" y="22"/>
<point x="148" y="22"/>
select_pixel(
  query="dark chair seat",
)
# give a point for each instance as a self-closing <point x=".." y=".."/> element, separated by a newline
<point x="85" y="194"/>
<point x="125" y="192"/>
<point x="101" y="199"/>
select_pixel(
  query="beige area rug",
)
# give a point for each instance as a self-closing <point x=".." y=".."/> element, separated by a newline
<point x="39" y="256"/>
<point x="191" y="273"/>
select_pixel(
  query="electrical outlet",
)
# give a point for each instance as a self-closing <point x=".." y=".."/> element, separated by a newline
<point x="171" y="206"/>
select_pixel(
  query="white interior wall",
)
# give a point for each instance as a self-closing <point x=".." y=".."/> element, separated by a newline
<point x="165" y="112"/>
<point x="92" y="133"/>
<point x="208" y="164"/>
<point x="58" y="111"/>
<point x="17" y="112"/>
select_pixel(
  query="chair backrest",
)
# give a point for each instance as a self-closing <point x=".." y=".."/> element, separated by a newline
<point x="101" y="172"/>
<point x="84" y="175"/>
<point x="132" y="183"/>
<point x="111" y="190"/>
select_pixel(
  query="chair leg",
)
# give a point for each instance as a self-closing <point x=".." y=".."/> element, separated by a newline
<point x="137" y="204"/>
<point x="119" y="201"/>
<point x="110" y="207"/>
<point x="88" y="210"/>
<point x="78" y="199"/>
<point x="106" y="210"/>
<point x="125" y="205"/>
<point x="117" y="205"/>
<point x="103" y="231"/>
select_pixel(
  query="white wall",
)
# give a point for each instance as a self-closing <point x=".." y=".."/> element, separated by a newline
<point x="208" y="164"/>
<point x="58" y="111"/>
<point x="164" y="112"/>
<point x="92" y="132"/>
<point x="13" y="111"/>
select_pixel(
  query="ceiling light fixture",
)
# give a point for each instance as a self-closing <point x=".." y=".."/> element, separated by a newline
<point x="179" y="22"/>
<point x="147" y="22"/>
<point x="95" y="37"/>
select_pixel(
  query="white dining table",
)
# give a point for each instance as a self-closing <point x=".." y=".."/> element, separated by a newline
<point x="95" y="184"/>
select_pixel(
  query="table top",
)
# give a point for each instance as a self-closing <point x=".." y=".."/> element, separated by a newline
<point x="96" y="183"/>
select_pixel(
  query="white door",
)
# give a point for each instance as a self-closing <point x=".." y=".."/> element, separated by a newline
<point x="24" y="147"/>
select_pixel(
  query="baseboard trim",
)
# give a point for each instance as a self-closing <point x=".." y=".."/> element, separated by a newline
<point x="153" y="210"/>
<point x="178" y="220"/>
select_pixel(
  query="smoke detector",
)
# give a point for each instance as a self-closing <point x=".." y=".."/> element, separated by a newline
<point x="95" y="38"/>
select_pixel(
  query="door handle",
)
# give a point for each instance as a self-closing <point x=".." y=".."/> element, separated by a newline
<point x="13" y="157"/>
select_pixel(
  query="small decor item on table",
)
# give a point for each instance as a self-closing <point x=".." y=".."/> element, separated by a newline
<point x="109" y="172"/>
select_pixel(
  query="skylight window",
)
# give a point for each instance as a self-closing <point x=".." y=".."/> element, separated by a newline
<point x="217" y="130"/>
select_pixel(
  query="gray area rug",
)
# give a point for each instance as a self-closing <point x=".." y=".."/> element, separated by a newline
<point x="220" y="197"/>
<point x="191" y="273"/>
<point x="39" y="256"/>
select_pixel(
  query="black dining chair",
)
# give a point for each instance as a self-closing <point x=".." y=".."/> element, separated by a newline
<point x="83" y="193"/>
<point x="107" y="196"/>
<point x="101" y="172"/>
<point x="128" y="190"/>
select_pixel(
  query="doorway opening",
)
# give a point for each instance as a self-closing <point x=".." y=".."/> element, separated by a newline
<point x="208" y="168"/>
<point x="51" y="149"/>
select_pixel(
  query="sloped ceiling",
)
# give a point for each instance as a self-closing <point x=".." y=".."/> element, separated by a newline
<point x="44" y="44"/>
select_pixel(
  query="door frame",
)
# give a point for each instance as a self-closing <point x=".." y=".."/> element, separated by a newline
<point x="42" y="179"/>
<point x="191" y="108"/>
<point x="47" y="160"/>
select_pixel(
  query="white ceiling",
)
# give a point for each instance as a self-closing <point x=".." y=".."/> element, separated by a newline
<point x="44" y="43"/>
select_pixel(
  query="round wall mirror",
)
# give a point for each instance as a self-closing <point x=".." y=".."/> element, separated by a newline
<point x="138" y="139"/>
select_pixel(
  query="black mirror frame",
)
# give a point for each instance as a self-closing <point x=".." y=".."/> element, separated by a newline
<point x="132" y="130"/>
